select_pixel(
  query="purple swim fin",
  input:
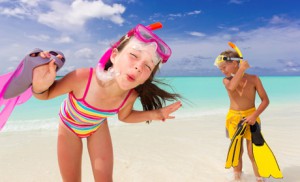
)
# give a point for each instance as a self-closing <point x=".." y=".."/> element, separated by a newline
<point x="9" y="104"/>
<point x="21" y="80"/>
<point x="15" y="87"/>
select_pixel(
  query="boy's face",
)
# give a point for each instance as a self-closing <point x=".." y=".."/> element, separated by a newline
<point x="228" y="68"/>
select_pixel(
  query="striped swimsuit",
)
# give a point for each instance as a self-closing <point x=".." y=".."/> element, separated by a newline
<point x="82" y="118"/>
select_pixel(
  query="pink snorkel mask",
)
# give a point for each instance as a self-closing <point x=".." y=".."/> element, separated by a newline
<point x="145" y="36"/>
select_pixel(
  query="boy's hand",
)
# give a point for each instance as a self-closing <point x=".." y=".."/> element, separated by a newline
<point x="250" y="120"/>
<point x="244" y="65"/>
<point x="164" y="113"/>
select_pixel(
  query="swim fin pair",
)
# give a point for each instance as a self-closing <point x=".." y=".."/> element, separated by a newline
<point x="15" y="87"/>
<point x="263" y="155"/>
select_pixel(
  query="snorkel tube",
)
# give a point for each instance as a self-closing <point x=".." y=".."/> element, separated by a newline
<point x="155" y="26"/>
<point x="110" y="73"/>
<point x="232" y="45"/>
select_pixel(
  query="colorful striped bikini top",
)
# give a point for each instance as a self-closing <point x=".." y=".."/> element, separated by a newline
<point x="82" y="118"/>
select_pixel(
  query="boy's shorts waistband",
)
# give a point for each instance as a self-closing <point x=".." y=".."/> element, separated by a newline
<point x="242" y="112"/>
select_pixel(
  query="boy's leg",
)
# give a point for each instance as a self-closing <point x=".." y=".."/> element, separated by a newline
<point x="238" y="169"/>
<point x="251" y="157"/>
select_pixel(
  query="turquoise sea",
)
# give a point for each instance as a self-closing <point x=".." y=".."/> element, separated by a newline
<point x="202" y="96"/>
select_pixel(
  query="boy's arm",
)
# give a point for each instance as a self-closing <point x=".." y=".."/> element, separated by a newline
<point x="131" y="116"/>
<point x="232" y="84"/>
<point x="263" y="96"/>
<point x="264" y="101"/>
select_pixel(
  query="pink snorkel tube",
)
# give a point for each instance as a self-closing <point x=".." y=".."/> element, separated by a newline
<point x="108" y="75"/>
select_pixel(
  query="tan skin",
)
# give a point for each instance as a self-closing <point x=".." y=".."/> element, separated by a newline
<point x="135" y="68"/>
<point x="242" y="89"/>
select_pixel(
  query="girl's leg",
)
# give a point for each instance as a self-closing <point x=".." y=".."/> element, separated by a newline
<point x="69" y="150"/>
<point x="251" y="157"/>
<point x="238" y="169"/>
<point x="101" y="153"/>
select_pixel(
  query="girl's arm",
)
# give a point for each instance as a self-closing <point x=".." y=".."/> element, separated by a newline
<point x="68" y="83"/>
<point x="59" y="87"/>
<point x="131" y="116"/>
<point x="264" y="101"/>
<point x="43" y="79"/>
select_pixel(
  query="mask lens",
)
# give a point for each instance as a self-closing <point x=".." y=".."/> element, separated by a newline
<point x="147" y="36"/>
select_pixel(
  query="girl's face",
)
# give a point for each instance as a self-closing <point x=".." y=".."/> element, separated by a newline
<point x="228" y="68"/>
<point x="135" y="66"/>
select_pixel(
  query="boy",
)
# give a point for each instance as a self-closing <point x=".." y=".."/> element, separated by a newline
<point x="242" y="88"/>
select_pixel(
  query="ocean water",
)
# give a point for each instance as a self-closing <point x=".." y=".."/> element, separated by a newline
<point x="201" y="96"/>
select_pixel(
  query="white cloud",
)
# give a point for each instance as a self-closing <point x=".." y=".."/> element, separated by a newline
<point x="274" y="47"/>
<point x="40" y="37"/>
<point x="13" y="59"/>
<point x="174" y="16"/>
<point x="196" y="12"/>
<point x="276" y="19"/>
<point x="85" y="53"/>
<point x="78" y="13"/>
<point x="20" y="8"/>
<point x="236" y="2"/>
<point x="293" y="64"/>
<point x="60" y="15"/>
<point x="16" y="12"/>
<point x="31" y="3"/>
<point x="234" y="29"/>
<point x="262" y="47"/>
<point x="196" y="34"/>
<point x="63" y="39"/>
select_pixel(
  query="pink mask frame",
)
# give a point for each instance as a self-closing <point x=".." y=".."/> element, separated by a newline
<point x="146" y="35"/>
<point x="165" y="54"/>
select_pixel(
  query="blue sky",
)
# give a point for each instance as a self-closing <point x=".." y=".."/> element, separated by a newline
<point x="266" y="31"/>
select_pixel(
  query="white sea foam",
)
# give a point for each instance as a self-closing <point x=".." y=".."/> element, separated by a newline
<point x="52" y="123"/>
<point x="29" y="125"/>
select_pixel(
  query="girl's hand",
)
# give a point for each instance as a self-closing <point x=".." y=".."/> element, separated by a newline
<point x="164" y="113"/>
<point x="44" y="75"/>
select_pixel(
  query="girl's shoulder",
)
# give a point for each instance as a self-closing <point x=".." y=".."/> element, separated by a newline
<point x="82" y="72"/>
<point x="76" y="77"/>
<point x="79" y="74"/>
<point x="132" y="97"/>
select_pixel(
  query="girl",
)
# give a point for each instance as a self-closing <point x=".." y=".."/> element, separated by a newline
<point x="133" y="60"/>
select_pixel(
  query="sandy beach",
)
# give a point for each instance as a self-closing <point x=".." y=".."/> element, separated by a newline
<point x="178" y="150"/>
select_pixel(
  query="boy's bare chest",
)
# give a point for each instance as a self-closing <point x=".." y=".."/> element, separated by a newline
<point x="245" y="87"/>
